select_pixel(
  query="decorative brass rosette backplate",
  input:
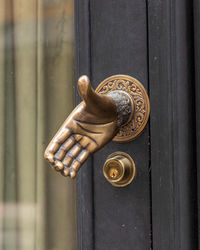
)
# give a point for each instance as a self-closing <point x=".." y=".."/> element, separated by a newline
<point x="140" y="99"/>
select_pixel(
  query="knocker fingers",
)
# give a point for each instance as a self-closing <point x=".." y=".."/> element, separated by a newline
<point x="55" y="144"/>
<point x="67" y="152"/>
<point x="77" y="155"/>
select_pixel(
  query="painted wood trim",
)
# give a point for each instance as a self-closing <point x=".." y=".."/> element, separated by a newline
<point x="196" y="9"/>
<point x="85" y="176"/>
<point x="173" y="164"/>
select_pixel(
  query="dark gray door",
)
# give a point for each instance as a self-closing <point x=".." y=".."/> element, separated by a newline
<point x="151" y="41"/>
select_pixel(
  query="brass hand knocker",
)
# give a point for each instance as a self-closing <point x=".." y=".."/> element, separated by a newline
<point x="118" y="109"/>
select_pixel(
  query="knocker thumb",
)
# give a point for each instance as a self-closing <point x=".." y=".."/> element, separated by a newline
<point x="95" y="103"/>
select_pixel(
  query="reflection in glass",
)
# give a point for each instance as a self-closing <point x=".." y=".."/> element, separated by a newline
<point x="37" y="205"/>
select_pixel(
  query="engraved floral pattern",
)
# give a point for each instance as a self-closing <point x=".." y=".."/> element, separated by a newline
<point x="140" y="99"/>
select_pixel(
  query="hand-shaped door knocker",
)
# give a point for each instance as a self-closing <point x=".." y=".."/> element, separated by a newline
<point x="118" y="110"/>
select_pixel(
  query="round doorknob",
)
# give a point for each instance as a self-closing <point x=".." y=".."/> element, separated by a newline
<point x="119" y="169"/>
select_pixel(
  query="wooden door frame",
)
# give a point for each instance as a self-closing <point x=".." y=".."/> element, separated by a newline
<point x="173" y="141"/>
<point x="196" y="15"/>
<point x="172" y="124"/>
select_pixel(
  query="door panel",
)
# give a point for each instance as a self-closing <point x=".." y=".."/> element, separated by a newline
<point x="153" y="42"/>
<point x="118" y="45"/>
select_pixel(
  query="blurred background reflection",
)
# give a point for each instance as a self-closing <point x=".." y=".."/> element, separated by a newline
<point x="37" y="205"/>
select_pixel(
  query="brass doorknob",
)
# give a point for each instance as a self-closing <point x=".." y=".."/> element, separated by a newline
<point x="118" y="110"/>
<point x="119" y="169"/>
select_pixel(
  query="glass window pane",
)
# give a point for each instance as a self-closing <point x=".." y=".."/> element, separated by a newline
<point x="37" y="205"/>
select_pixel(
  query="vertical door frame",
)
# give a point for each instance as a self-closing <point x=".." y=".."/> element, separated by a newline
<point x="172" y="121"/>
<point x="84" y="178"/>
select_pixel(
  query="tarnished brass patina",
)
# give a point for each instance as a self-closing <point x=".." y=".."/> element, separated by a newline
<point x="119" y="169"/>
<point x="94" y="123"/>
